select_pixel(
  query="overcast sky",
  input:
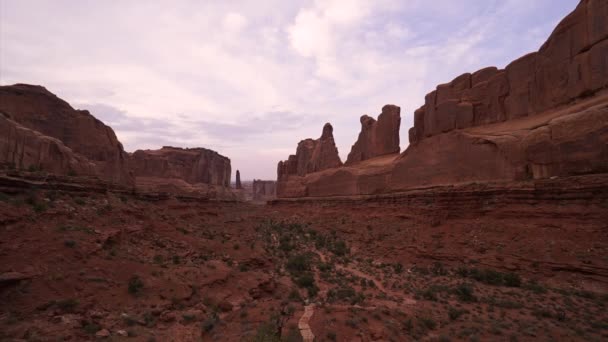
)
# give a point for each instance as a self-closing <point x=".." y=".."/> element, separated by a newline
<point x="250" y="79"/>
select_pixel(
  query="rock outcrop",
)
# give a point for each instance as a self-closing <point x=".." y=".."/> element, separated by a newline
<point x="23" y="148"/>
<point x="173" y="167"/>
<point x="570" y="65"/>
<point x="36" y="108"/>
<point x="312" y="155"/>
<point x="545" y="115"/>
<point x="377" y="138"/>
<point x="264" y="190"/>
<point x="238" y="180"/>
<point x="40" y="131"/>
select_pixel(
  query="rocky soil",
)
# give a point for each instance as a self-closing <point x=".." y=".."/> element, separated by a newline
<point x="470" y="264"/>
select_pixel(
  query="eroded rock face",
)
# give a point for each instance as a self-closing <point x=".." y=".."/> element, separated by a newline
<point x="570" y="65"/>
<point x="191" y="165"/>
<point x="312" y="156"/>
<point x="238" y="180"/>
<point x="36" y="108"/>
<point x="377" y="137"/>
<point x="545" y="115"/>
<point x="24" y="148"/>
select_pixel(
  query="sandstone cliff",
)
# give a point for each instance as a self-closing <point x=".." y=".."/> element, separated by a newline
<point x="312" y="156"/>
<point x="377" y="138"/>
<point x="183" y="167"/>
<point x="41" y="131"/>
<point x="36" y="108"/>
<point x="23" y="148"/>
<point x="571" y="64"/>
<point x="545" y="115"/>
<point x="264" y="190"/>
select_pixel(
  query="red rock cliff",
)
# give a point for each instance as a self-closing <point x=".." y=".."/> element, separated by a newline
<point x="36" y="108"/>
<point x="377" y="138"/>
<point x="24" y="148"/>
<point x="312" y="156"/>
<point x="192" y="165"/>
<point x="573" y="63"/>
<point x="545" y="115"/>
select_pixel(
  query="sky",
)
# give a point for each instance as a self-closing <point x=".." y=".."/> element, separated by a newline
<point x="250" y="79"/>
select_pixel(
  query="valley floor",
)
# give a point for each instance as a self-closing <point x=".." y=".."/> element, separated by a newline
<point x="89" y="266"/>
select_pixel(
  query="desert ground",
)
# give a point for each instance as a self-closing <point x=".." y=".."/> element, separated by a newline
<point x="87" y="265"/>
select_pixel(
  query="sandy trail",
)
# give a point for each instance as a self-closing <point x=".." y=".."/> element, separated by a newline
<point x="307" y="335"/>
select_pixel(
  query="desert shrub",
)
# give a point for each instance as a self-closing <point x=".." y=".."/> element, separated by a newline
<point x="305" y="280"/>
<point x="535" y="287"/>
<point x="339" y="248"/>
<point x="427" y="323"/>
<point x="465" y="293"/>
<point x="491" y="277"/>
<point x="67" y="305"/>
<point x="69" y="243"/>
<point x="298" y="263"/>
<point x="135" y="285"/>
<point x="285" y="244"/>
<point x="91" y="328"/>
<point x="294" y="295"/>
<point x="454" y="313"/>
<point x="267" y="332"/>
<point x="210" y="322"/>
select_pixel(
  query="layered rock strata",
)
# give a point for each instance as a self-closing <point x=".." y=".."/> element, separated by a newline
<point x="545" y="115"/>
<point x="37" y="109"/>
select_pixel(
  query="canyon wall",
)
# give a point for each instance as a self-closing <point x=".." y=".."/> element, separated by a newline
<point x="377" y="137"/>
<point x="545" y="115"/>
<point x="41" y="132"/>
<point x="23" y="148"/>
<point x="182" y="168"/>
<point x="37" y="109"/>
<point x="571" y="64"/>
<point x="311" y="156"/>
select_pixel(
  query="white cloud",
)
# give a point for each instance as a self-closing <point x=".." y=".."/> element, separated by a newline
<point x="234" y="22"/>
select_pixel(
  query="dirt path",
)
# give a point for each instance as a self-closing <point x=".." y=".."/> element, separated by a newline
<point x="307" y="335"/>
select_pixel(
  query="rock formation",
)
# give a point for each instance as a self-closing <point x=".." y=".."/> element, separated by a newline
<point x="570" y="65"/>
<point x="312" y="155"/>
<point x="264" y="190"/>
<point x="23" y="148"/>
<point x="545" y="115"/>
<point x="377" y="138"/>
<point x="180" y="168"/>
<point x="36" y="108"/>
<point x="238" y="180"/>
<point x="42" y="132"/>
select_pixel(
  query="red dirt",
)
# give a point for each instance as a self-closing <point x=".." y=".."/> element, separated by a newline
<point x="188" y="271"/>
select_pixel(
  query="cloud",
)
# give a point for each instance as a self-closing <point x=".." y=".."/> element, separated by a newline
<point x="251" y="79"/>
<point x="234" y="22"/>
